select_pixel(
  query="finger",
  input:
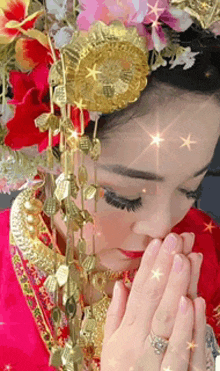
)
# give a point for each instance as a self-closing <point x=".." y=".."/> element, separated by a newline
<point x="195" y="264"/>
<point x="189" y="240"/>
<point x="177" y="355"/>
<point x="116" y="310"/>
<point x="149" y="284"/>
<point x="165" y="315"/>
<point x="198" y="350"/>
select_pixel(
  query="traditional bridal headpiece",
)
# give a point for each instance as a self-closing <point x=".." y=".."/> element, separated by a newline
<point x="67" y="63"/>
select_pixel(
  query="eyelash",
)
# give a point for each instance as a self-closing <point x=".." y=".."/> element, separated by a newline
<point x="132" y="205"/>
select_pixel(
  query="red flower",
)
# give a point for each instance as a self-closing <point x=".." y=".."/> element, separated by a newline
<point x="31" y="98"/>
<point x="30" y="53"/>
<point x="13" y="15"/>
<point x="33" y="50"/>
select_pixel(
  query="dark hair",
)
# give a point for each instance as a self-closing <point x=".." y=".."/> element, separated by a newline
<point x="202" y="79"/>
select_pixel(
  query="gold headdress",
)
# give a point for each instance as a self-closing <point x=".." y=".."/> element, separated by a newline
<point x="101" y="69"/>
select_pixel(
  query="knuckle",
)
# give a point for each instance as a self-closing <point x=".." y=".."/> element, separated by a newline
<point x="153" y="293"/>
<point x="137" y="289"/>
<point x="164" y="316"/>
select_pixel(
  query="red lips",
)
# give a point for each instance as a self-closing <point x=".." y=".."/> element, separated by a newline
<point x="132" y="254"/>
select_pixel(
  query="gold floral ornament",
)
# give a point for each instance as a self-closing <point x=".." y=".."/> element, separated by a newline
<point x="205" y="11"/>
<point x="106" y="67"/>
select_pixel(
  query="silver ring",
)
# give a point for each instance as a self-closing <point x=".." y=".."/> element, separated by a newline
<point x="158" y="343"/>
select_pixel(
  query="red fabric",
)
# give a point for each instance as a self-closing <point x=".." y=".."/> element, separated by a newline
<point x="21" y="347"/>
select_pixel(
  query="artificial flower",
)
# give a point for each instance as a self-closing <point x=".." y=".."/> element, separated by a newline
<point x="5" y="114"/>
<point x="30" y="52"/>
<point x="31" y="99"/>
<point x="160" y="13"/>
<point x="14" y="18"/>
<point x="135" y="13"/>
<point x="215" y="28"/>
<point x="63" y="37"/>
<point x="5" y="187"/>
<point x="187" y="58"/>
<point x="60" y="8"/>
<point x="57" y="8"/>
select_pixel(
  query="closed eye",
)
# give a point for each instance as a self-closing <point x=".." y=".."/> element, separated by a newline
<point x="122" y="203"/>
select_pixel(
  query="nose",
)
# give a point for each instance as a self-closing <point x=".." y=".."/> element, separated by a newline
<point x="154" y="228"/>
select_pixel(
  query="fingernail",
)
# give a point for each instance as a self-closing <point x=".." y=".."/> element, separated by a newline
<point x="200" y="255"/>
<point x="116" y="291"/>
<point x="203" y="303"/>
<point x="193" y="238"/>
<point x="170" y="243"/>
<point x="177" y="263"/>
<point x="183" y="305"/>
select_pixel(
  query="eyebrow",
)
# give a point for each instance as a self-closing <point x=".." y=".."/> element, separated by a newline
<point x="133" y="173"/>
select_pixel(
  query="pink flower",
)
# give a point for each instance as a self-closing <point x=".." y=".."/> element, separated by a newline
<point x="136" y="13"/>
<point x="215" y="28"/>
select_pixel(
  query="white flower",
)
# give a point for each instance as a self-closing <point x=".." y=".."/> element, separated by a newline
<point x="57" y="7"/>
<point x="94" y="115"/>
<point x="184" y="18"/>
<point x="7" y="114"/>
<point x="215" y="28"/>
<point x="186" y="58"/>
<point x="63" y="37"/>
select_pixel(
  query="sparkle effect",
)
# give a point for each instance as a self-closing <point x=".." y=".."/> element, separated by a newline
<point x="209" y="227"/>
<point x="192" y="345"/>
<point x="79" y="104"/>
<point x="92" y="72"/>
<point x="187" y="142"/>
<point x="156" y="274"/>
<point x="156" y="139"/>
<point x="156" y="23"/>
<point x="7" y="368"/>
<point x="155" y="9"/>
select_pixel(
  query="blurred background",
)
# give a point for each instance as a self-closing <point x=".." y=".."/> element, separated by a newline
<point x="209" y="201"/>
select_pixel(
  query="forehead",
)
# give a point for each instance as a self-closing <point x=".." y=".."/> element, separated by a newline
<point x="175" y="120"/>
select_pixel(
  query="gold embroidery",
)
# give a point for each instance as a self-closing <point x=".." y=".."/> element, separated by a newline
<point x="37" y="313"/>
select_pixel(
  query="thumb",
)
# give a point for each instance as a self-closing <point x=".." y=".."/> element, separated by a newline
<point x="116" y="309"/>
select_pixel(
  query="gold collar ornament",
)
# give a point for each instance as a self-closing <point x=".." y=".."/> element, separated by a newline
<point x="101" y="70"/>
<point x="26" y="225"/>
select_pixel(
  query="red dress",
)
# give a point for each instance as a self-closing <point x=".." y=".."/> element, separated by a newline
<point x="25" y="306"/>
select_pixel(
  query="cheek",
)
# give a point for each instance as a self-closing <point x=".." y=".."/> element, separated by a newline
<point x="111" y="228"/>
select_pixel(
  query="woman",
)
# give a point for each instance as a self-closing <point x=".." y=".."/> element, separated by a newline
<point x="155" y="154"/>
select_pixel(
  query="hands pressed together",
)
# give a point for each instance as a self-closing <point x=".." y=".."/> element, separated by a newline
<point x="153" y="303"/>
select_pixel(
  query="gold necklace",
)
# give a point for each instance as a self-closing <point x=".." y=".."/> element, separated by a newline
<point x="26" y="224"/>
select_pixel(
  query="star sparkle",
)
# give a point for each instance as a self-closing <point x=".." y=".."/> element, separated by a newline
<point x="155" y="23"/>
<point x="74" y="134"/>
<point x="204" y="5"/>
<point x="167" y="369"/>
<point x="156" y="274"/>
<point x="79" y="104"/>
<point x="156" y="139"/>
<point x="7" y="368"/>
<point x="187" y="142"/>
<point x="92" y="72"/>
<point x="209" y="227"/>
<point x="155" y="9"/>
<point x="192" y="345"/>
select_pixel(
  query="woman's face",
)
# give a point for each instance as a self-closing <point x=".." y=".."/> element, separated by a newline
<point x="175" y="159"/>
